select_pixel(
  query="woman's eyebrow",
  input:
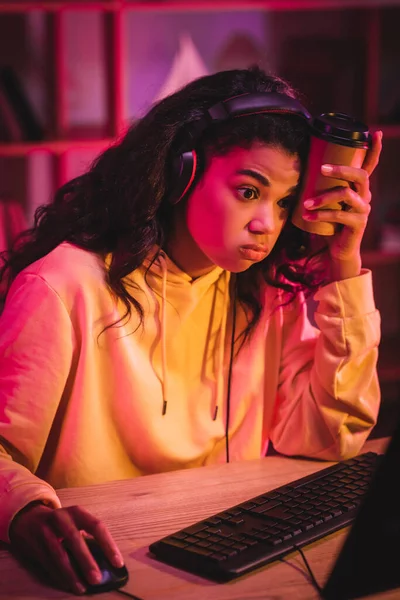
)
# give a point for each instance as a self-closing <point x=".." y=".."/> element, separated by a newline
<point x="255" y="174"/>
<point x="262" y="179"/>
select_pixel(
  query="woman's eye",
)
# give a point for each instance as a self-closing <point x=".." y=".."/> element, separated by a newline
<point x="248" y="193"/>
<point x="287" y="202"/>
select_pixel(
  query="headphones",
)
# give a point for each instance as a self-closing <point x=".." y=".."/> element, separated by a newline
<point x="185" y="163"/>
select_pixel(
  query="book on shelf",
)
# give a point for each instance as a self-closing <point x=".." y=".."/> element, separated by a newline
<point x="17" y="117"/>
<point x="12" y="221"/>
<point x="10" y="127"/>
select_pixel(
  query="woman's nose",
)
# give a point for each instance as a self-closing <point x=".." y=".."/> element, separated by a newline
<point x="264" y="221"/>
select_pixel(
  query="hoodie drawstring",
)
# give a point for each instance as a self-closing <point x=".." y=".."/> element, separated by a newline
<point x="164" y="378"/>
<point x="221" y="346"/>
<point x="220" y="351"/>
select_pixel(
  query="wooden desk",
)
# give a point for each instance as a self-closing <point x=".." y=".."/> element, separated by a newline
<point x="139" y="511"/>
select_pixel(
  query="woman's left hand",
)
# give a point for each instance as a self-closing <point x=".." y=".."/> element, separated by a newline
<point x="344" y="246"/>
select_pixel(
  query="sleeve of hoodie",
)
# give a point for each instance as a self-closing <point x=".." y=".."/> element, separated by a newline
<point x="328" y="394"/>
<point x="36" y="350"/>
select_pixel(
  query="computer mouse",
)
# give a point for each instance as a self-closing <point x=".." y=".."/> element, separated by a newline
<point x="112" y="577"/>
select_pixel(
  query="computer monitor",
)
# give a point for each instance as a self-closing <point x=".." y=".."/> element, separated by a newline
<point x="369" y="561"/>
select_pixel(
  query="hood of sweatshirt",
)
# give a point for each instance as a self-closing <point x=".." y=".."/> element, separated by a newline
<point x="175" y="288"/>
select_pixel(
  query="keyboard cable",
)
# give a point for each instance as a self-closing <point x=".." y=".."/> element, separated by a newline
<point x="312" y="578"/>
<point x="314" y="582"/>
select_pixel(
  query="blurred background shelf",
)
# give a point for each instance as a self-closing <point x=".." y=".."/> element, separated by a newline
<point x="389" y="364"/>
<point x="186" y="5"/>
<point x="53" y="146"/>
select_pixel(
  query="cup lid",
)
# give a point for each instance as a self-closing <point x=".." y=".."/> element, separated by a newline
<point x="341" y="129"/>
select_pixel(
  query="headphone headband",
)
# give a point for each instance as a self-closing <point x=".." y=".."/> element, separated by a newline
<point x="252" y="104"/>
<point x="245" y="104"/>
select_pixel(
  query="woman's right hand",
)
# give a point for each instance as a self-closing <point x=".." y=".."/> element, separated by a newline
<point x="36" y="536"/>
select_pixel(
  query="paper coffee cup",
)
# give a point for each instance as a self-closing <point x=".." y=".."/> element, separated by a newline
<point x="336" y="139"/>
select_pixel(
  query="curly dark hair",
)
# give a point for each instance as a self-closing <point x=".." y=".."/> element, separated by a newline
<point x="121" y="207"/>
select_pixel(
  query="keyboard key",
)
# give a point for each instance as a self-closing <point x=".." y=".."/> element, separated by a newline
<point x="336" y="495"/>
<point x="274" y="495"/>
<point x="180" y="535"/>
<point x="225" y="516"/>
<point x="214" y="538"/>
<point x="266" y="506"/>
<point x="195" y="528"/>
<point x="352" y="486"/>
<point x="216" y="547"/>
<point x="218" y="557"/>
<point x="259" y="500"/>
<point x="237" y="538"/>
<point x="226" y="543"/>
<point x="294" y="494"/>
<point x="261" y="536"/>
<point x="313" y="486"/>
<point x="326" y="516"/>
<point x="248" y="505"/>
<point x="310" y="496"/>
<point x="348" y="506"/>
<point x="177" y="543"/>
<point x="234" y="512"/>
<point x="198" y="550"/>
<point x="202" y="535"/>
<point x="236" y="521"/>
<point x="302" y="501"/>
<point x="350" y="496"/>
<point x="239" y="547"/>
<point x="213" y="530"/>
<point x="213" y="521"/>
<point x="229" y="552"/>
<point x="276" y="541"/>
<point x="251" y="541"/>
<point x="222" y="531"/>
<point x="277" y="513"/>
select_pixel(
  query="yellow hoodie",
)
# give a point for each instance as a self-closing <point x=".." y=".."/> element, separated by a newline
<point x="79" y="405"/>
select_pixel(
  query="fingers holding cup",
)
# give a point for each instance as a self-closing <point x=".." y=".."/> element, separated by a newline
<point x="336" y="140"/>
<point x="353" y="209"/>
<point x="372" y="157"/>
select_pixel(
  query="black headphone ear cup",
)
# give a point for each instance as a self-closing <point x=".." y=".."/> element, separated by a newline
<point x="184" y="171"/>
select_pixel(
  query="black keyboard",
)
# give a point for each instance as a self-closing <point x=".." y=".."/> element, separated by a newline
<point x="267" y="527"/>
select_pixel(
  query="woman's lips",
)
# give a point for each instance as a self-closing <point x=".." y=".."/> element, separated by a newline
<point x="253" y="252"/>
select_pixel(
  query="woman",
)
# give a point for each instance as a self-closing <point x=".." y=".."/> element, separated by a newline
<point x="149" y="328"/>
